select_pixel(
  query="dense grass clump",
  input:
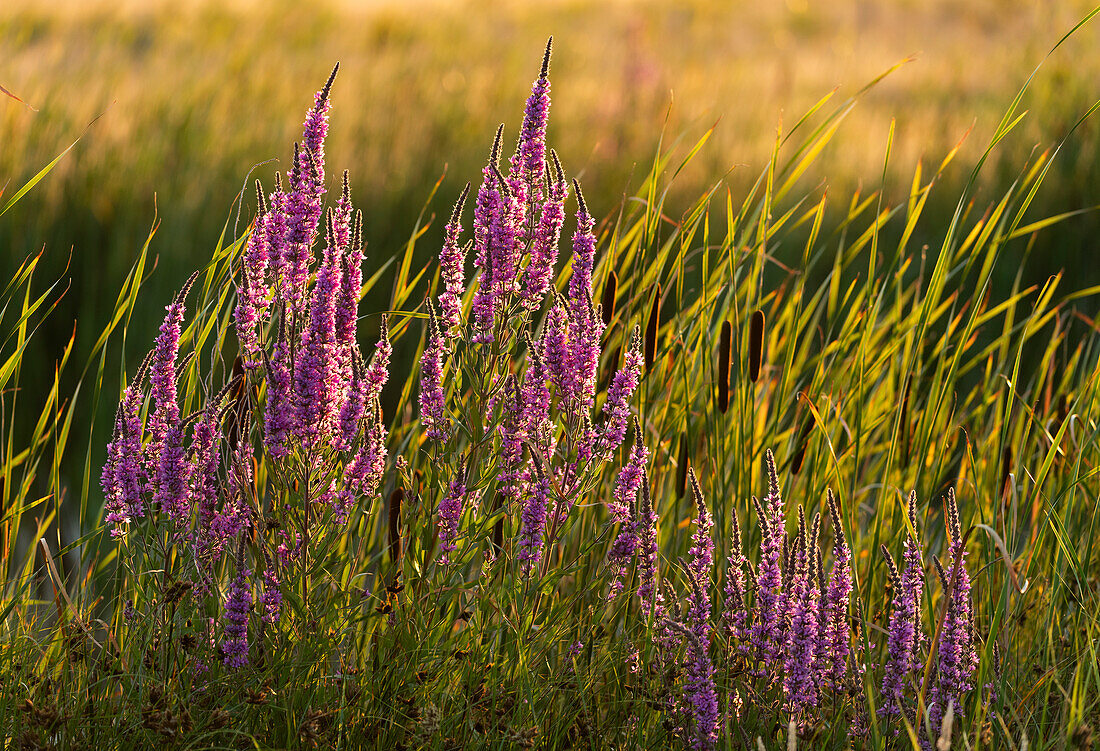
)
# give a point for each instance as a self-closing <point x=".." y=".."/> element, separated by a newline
<point x="669" y="493"/>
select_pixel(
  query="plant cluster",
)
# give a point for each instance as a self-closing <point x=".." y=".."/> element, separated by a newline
<point x="517" y="448"/>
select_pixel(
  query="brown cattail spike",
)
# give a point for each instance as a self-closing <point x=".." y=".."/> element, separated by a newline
<point x="756" y="345"/>
<point x="651" y="328"/>
<point x="610" y="289"/>
<point x="725" y="341"/>
<point x="1006" y="468"/>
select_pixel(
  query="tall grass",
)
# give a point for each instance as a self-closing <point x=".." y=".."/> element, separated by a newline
<point x="874" y="365"/>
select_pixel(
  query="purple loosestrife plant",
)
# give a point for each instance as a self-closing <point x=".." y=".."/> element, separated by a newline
<point x="162" y="382"/>
<point x="533" y="521"/>
<point x="238" y="604"/>
<point x="802" y="603"/>
<point x="316" y="393"/>
<point x="508" y="381"/>
<point x="647" y="550"/>
<point x="585" y="325"/>
<point x="617" y="407"/>
<point x="433" y="402"/>
<point x="699" y="690"/>
<point x="766" y="632"/>
<point x="252" y="297"/>
<point x="544" y="247"/>
<point x="450" y="514"/>
<point x="527" y="165"/>
<point x="304" y="200"/>
<point x="489" y="220"/>
<point x="956" y="658"/>
<point x="624" y="510"/>
<point x="451" y="272"/>
<point x="833" y="658"/>
<point x="905" y="634"/>
<point x="735" y="616"/>
<point x="123" y="474"/>
<point x="264" y="475"/>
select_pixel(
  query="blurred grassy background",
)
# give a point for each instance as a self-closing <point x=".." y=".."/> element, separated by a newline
<point x="190" y="96"/>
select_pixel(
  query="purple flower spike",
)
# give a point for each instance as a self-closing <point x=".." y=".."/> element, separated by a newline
<point x="450" y="514"/>
<point x="433" y="403"/>
<point x="527" y="165"/>
<point x="279" y="413"/>
<point x="204" y="487"/>
<point x="700" y="564"/>
<point x="272" y="597"/>
<point x="172" y="478"/>
<point x="533" y="519"/>
<point x="354" y="404"/>
<point x="489" y="211"/>
<point x="252" y="303"/>
<point x="451" y="273"/>
<point x="956" y="658"/>
<point x="734" y="616"/>
<point x="630" y="479"/>
<point x="535" y="396"/>
<point x="555" y="346"/>
<point x="585" y="325"/>
<point x="799" y="686"/>
<point x="315" y="371"/>
<point x="123" y="475"/>
<point x="646" y="525"/>
<point x="767" y="625"/>
<point x="378" y="372"/>
<point x="162" y="376"/>
<point x="512" y="437"/>
<point x="624" y="510"/>
<point x="238" y="603"/>
<point x="363" y="473"/>
<point x="699" y="687"/>
<point x="905" y="633"/>
<point x="303" y="211"/>
<point x="617" y="406"/>
<point x="835" y="638"/>
<point x="539" y="274"/>
<point x="275" y="231"/>
<point x="351" y="282"/>
<point x="343" y="218"/>
<point x="315" y="128"/>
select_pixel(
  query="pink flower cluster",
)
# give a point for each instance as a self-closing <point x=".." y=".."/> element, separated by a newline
<point x="535" y="386"/>
<point x="302" y="399"/>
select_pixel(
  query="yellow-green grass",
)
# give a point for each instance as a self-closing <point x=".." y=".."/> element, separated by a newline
<point x="897" y="366"/>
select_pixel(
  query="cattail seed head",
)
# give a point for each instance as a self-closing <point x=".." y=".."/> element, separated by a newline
<point x="756" y="345"/>
<point x="725" y="341"/>
<point x="607" y="305"/>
